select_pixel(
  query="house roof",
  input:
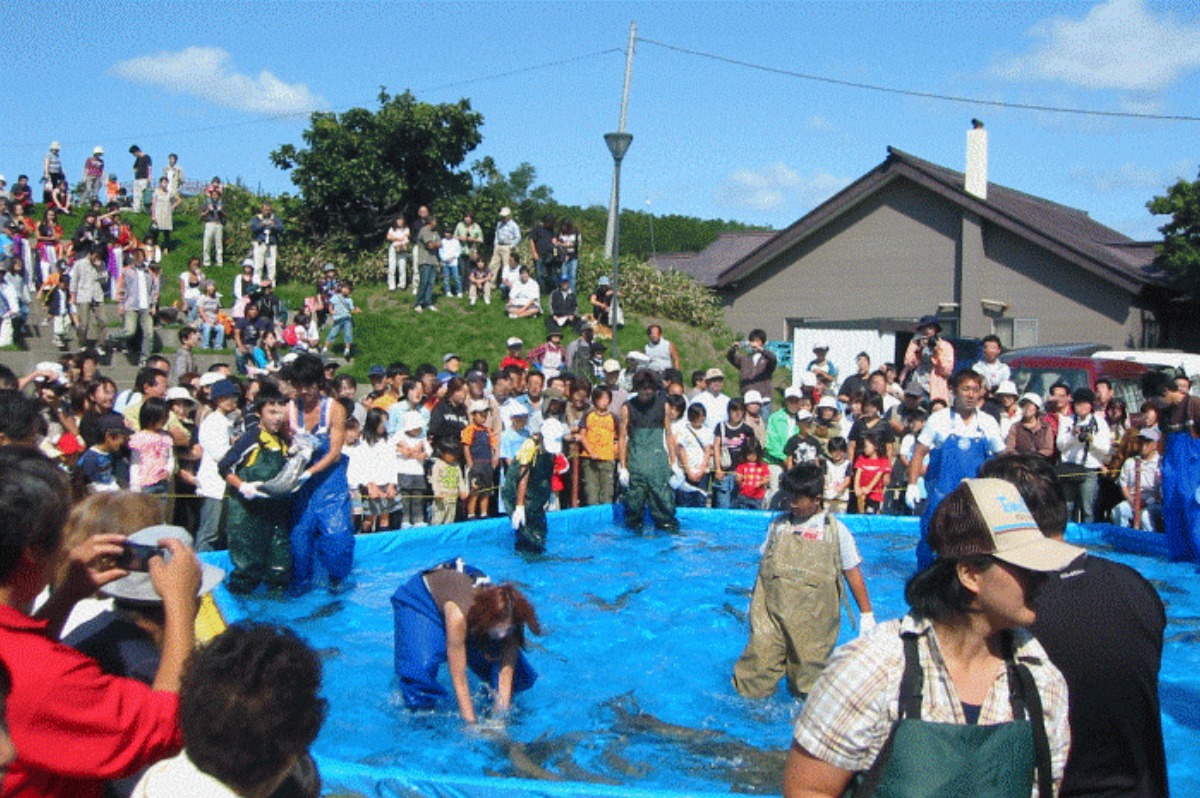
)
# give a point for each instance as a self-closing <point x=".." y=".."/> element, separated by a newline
<point x="708" y="264"/>
<point x="1068" y="232"/>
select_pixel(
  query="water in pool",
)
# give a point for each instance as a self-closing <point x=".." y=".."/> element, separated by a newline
<point x="641" y="636"/>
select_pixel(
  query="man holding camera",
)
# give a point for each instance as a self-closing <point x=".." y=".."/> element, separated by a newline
<point x="1084" y="446"/>
<point x="929" y="360"/>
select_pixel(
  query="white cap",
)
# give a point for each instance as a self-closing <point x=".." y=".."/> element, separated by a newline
<point x="804" y="415"/>
<point x="210" y="378"/>
<point x="827" y="401"/>
<point x="793" y="392"/>
<point x="1032" y="397"/>
<point x="97" y="150"/>
<point x="413" y="420"/>
<point x="514" y="341"/>
<point x="478" y="406"/>
<point x="54" y="145"/>
<point x="714" y="373"/>
<point x="752" y="398"/>
<point x="611" y="365"/>
<point x="1007" y="387"/>
<point x="821" y="345"/>
<point x="808" y="379"/>
<point x="505" y="211"/>
<point x="639" y="357"/>
<point x="179" y="393"/>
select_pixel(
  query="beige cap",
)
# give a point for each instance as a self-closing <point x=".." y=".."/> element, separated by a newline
<point x="1015" y="535"/>
<point x="714" y="374"/>
<point x="611" y="365"/>
<point x="505" y="212"/>
<point x="97" y="150"/>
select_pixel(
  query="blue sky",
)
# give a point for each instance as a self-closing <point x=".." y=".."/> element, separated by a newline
<point x="223" y="84"/>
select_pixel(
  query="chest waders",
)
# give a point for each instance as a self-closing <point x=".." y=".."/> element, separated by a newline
<point x="649" y="480"/>
<point x="795" y="613"/>
<point x="1181" y="494"/>
<point x="958" y="458"/>
<point x="531" y="536"/>
<point x="257" y="529"/>
<point x="923" y="759"/>
<point x="321" y="524"/>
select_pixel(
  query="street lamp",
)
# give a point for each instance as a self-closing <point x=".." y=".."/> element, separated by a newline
<point x="618" y="145"/>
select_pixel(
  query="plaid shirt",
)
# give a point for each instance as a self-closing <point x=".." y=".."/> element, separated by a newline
<point x="855" y="703"/>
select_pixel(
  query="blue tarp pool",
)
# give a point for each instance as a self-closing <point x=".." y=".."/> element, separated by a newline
<point x="641" y="635"/>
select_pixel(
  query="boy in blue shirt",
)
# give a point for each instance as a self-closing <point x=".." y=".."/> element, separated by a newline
<point x="342" y="308"/>
<point x="95" y="466"/>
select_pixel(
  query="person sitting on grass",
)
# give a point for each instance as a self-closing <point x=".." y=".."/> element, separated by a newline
<point x="525" y="297"/>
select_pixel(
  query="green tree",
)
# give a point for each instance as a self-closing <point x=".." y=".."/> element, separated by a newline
<point x="362" y="168"/>
<point x="1179" y="253"/>
<point x="492" y="190"/>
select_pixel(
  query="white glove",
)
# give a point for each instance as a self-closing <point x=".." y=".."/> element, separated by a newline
<point x="912" y="496"/>
<point x="249" y="490"/>
<point x="866" y="622"/>
<point x="518" y="517"/>
<point x="623" y="476"/>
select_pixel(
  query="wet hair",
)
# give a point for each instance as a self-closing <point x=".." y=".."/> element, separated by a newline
<point x="494" y="604"/>
<point x="806" y="480"/>
<point x="1038" y="484"/>
<point x="32" y="506"/>
<point x="249" y="704"/>
<point x="153" y="411"/>
<point x="645" y="379"/>
<point x="307" y="371"/>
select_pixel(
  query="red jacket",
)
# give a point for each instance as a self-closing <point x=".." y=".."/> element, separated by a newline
<point x="75" y="727"/>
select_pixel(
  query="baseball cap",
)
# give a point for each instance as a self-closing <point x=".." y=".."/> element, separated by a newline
<point x="413" y="420"/>
<point x="1032" y="398"/>
<point x="753" y="398"/>
<point x="376" y="371"/>
<point x="821" y="345"/>
<point x="1149" y="434"/>
<point x="97" y="150"/>
<point x="210" y="378"/>
<point x="792" y="392"/>
<point x="137" y="586"/>
<point x="804" y="415"/>
<point x="446" y="358"/>
<point x="827" y="401"/>
<point x="179" y="394"/>
<point x="476" y="376"/>
<point x="514" y="341"/>
<point x="328" y="267"/>
<point x="1013" y="534"/>
<point x="611" y="365"/>
<point x="516" y="409"/>
<point x="478" y="406"/>
<point x="111" y="422"/>
<point x="221" y="389"/>
<point x="714" y="374"/>
<point x="604" y="280"/>
<point x="506" y="211"/>
<point x="1006" y="388"/>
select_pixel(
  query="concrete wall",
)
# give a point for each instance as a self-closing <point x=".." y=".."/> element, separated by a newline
<point x="904" y="251"/>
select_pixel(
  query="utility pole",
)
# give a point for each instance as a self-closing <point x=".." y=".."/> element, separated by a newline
<point x="610" y="233"/>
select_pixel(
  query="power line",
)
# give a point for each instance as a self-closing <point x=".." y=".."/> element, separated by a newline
<point x="912" y="93"/>
<point x="294" y="114"/>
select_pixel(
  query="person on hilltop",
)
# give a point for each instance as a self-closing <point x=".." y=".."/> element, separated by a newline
<point x="212" y="213"/>
<point x="265" y="229"/>
<point x="142" y="170"/>
<point x="507" y="237"/>
<point x="399" y="245"/>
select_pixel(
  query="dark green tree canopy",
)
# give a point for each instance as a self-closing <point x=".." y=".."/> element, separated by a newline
<point x="362" y="168"/>
<point x="1179" y="253"/>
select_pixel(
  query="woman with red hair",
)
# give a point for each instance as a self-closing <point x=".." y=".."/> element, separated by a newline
<point x="453" y="613"/>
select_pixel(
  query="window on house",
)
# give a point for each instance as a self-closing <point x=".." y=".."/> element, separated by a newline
<point x="1016" y="333"/>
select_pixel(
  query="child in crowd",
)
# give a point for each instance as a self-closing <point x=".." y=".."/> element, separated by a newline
<point x="598" y="437"/>
<point x="515" y="433"/>
<point x="914" y="422"/>
<point x="448" y="254"/>
<point x="376" y="472"/>
<point x="480" y="281"/>
<point x="481" y="447"/>
<point x="752" y="477"/>
<point x="295" y="335"/>
<point x="58" y="306"/>
<point x="794" y="623"/>
<point x="837" y="475"/>
<point x="257" y="525"/>
<point x="694" y="442"/>
<point x="448" y="483"/>
<point x="1141" y="478"/>
<point x="871" y="472"/>
<point x="803" y="447"/>
<point x="352" y="448"/>
<point x="95" y="466"/>
<point x="342" y="308"/>
<point x="153" y="452"/>
<point x="412" y="450"/>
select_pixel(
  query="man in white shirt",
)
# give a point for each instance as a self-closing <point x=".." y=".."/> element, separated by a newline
<point x="216" y="437"/>
<point x="714" y="402"/>
<point x="525" y="298"/>
<point x="1084" y="445"/>
<point x="508" y="235"/>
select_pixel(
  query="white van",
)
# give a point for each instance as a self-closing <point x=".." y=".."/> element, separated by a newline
<point x="1165" y="359"/>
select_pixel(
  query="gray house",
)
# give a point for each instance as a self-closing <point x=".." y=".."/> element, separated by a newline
<point x="911" y="238"/>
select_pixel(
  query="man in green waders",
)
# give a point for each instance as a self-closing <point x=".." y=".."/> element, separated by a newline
<point x="527" y="490"/>
<point x="258" y="526"/>
<point x="644" y="455"/>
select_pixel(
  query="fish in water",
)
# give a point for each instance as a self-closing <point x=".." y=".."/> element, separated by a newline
<point x="738" y="590"/>
<point x="324" y="611"/>
<point x="1192" y="636"/>
<point x="613" y="757"/>
<point x="1163" y="586"/>
<point x="618" y="603"/>
<point x="631" y="718"/>
<point x="733" y="612"/>
<point x="327" y="654"/>
<point x="575" y="772"/>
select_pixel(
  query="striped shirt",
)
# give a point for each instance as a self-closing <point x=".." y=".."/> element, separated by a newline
<point x="855" y="703"/>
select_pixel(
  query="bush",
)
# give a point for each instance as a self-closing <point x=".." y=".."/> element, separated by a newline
<point x="650" y="292"/>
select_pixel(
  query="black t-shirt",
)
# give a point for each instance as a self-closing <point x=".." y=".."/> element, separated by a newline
<point x="447" y="421"/>
<point x="803" y="449"/>
<point x="542" y="240"/>
<point x="1102" y="625"/>
<point x="853" y="384"/>
<point x="141" y="167"/>
<point x="882" y="432"/>
<point x="252" y="329"/>
<point x="734" y="439"/>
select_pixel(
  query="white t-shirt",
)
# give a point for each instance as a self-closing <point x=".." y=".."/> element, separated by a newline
<point x="524" y="293"/>
<point x="993" y="373"/>
<point x="716" y="408"/>
<point x="694" y="442"/>
<point x="947" y="422"/>
<point x="553" y="431"/>
<point x="215" y="431"/>
<point x="813" y="528"/>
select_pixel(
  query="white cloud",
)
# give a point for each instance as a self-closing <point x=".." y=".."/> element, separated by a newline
<point x="776" y="186"/>
<point x="1128" y="176"/>
<point x="208" y="73"/>
<point x="1119" y="44"/>
<point x="818" y="124"/>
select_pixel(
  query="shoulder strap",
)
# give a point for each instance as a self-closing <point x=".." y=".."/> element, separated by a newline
<point x="1037" y="722"/>
<point x="911" y="684"/>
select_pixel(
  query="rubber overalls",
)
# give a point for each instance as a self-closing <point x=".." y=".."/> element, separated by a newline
<point x="321" y="524"/>
<point x="649" y="467"/>
<point x="531" y="536"/>
<point x="1180" y="486"/>
<point x="923" y="759"/>
<point x="958" y="458"/>
<point x="257" y="529"/>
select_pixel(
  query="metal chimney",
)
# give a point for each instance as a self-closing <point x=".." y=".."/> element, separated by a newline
<point x="977" y="160"/>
